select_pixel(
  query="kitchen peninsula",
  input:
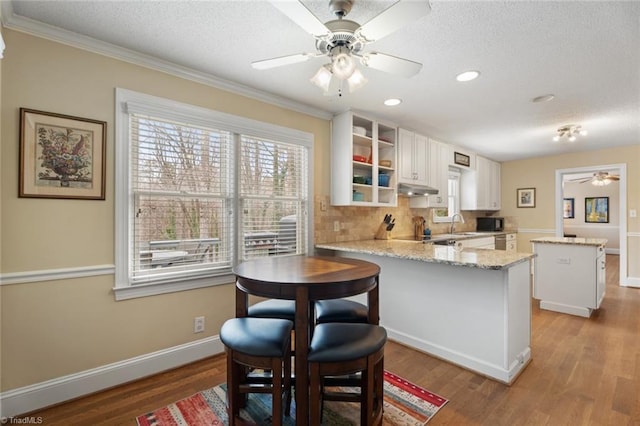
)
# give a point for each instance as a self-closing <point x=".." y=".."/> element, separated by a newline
<point x="471" y="307"/>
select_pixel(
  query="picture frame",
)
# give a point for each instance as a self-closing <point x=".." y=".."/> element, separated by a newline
<point x="596" y="209"/>
<point x="526" y="197"/>
<point x="568" y="211"/>
<point x="61" y="156"/>
<point x="461" y="159"/>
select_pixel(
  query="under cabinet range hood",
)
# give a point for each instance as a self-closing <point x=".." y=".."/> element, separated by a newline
<point x="411" y="190"/>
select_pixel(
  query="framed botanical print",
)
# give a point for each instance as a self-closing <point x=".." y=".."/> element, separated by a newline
<point x="61" y="156"/>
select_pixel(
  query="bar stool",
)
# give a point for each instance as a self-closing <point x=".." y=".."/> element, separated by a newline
<point x="340" y="310"/>
<point x="346" y="348"/>
<point x="259" y="343"/>
<point x="332" y="310"/>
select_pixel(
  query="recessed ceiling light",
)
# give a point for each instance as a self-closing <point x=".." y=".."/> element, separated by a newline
<point x="468" y="75"/>
<point x="393" y="102"/>
<point x="543" y="98"/>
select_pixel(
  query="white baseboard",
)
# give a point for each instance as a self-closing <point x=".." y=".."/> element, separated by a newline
<point x="632" y="282"/>
<point x="496" y="372"/>
<point x="40" y="395"/>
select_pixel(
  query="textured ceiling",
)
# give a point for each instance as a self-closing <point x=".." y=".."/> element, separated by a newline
<point x="585" y="53"/>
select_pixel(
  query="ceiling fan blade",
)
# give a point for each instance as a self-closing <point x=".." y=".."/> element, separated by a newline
<point x="393" y="18"/>
<point x="611" y="177"/>
<point x="391" y="64"/>
<point x="302" y="16"/>
<point x="280" y="61"/>
<point x="580" y="180"/>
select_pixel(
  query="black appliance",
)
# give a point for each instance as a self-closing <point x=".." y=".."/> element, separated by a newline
<point x="490" y="224"/>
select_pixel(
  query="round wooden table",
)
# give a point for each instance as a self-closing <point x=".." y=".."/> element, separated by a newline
<point x="306" y="279"/>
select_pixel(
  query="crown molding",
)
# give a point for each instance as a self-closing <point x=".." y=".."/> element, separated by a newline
<point x="29" y="26"/>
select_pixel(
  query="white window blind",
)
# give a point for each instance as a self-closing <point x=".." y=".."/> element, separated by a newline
<point x="198" y="191"/>
<point x="181" y="181"/>
<point x="273" y="194"/>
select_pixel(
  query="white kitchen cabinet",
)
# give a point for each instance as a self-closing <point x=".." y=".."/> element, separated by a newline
<point x="569" y="274"/>
<point x="439" y="154"/>
<point x="480" y="188"/>
<point x="512" y="243"/>
<point x="355" y="161"/>
<point x="413" y="158"/>
<point x="485" y="242"/>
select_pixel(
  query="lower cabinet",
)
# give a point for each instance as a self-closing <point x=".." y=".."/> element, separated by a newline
<point x="485" y="242"/>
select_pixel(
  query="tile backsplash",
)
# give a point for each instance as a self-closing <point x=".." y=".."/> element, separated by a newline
<point x="361" y="223"/>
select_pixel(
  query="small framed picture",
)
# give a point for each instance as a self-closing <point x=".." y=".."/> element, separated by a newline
<point x="462" y="159"/>
<point x="568" y="208"/>
<point x="596" y="209"/>
<point x="61" y="156"/>
<point x="526" y="197"/>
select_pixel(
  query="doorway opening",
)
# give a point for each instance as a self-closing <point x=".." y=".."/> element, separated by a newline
<point x="563" y="175"/>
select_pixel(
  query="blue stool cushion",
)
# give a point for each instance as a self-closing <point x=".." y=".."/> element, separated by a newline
<point x="267" y="337"/>
<point x="336" y="342"/>
<point x="341" y="310"/>
<point x="274" y="308"/>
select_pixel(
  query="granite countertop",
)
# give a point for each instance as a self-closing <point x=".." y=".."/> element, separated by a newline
<point x="415" y="250"/>
<point x="571" y="240"/>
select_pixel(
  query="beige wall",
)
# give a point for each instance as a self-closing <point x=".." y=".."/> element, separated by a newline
<point x="540" y="174"/>
<point x="50" y="329"/>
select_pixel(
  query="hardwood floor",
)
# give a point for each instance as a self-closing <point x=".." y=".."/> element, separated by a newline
<point x="583" y="372"/>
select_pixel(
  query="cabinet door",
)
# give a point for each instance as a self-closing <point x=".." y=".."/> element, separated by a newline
<point x="494" y="201"/>
<point x="421" y="164"/>
<point x="439" y="173"/>
<point x="405" y="156"/>
<point x="601" y="274"/>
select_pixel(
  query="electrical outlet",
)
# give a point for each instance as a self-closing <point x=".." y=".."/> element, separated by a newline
<point x="323" y="205"/>
<point x="633" y="213"/>
<point x="563" y="260"/>
<point x="336" y="225"/>
<point x="198" y="324"/>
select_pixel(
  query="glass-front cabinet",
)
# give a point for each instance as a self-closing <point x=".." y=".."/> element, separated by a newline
<point x="363" y="161"/>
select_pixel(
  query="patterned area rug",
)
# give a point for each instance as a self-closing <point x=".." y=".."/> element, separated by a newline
<point x="404" y="404"/>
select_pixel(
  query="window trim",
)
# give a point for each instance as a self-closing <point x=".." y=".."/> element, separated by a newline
<point x="128" y="101"/>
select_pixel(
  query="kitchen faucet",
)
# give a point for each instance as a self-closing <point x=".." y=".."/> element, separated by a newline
<point x="453" y="223"/>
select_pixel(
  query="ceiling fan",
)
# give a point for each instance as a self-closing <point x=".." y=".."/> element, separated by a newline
<point x="598" y="179"/>
<point x="342" y="40"/>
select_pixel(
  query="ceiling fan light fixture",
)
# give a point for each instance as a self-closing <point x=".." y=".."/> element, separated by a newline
<point x="356" y="81"/>
<point x="570" y="131"/>
<point x="343" y="65"/>
<point x="322" y="78"/>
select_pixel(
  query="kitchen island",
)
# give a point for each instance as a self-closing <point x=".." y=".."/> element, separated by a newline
<point x="569" y="274"/>
<point x="471" y="307"/>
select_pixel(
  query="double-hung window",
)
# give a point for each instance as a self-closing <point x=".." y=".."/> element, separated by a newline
<point x="198" y="191"/>
<point x="453" y="199"/>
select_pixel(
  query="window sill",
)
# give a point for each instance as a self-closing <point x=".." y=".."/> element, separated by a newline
<point x="153" y="289"/>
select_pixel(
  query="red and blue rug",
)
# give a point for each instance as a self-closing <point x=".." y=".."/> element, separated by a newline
<point x="404" y="404"/>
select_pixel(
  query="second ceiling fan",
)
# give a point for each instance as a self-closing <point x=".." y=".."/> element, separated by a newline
<point x="342" y="40"/>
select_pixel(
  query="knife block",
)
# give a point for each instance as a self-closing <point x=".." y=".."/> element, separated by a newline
<point x="382" y="233"/>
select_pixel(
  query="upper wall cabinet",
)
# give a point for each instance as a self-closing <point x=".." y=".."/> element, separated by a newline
<point x="363" y="161"/>
<point x="480" y="188"/>
<point x="438" y="173"/>
<point x="413" y="158"/>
